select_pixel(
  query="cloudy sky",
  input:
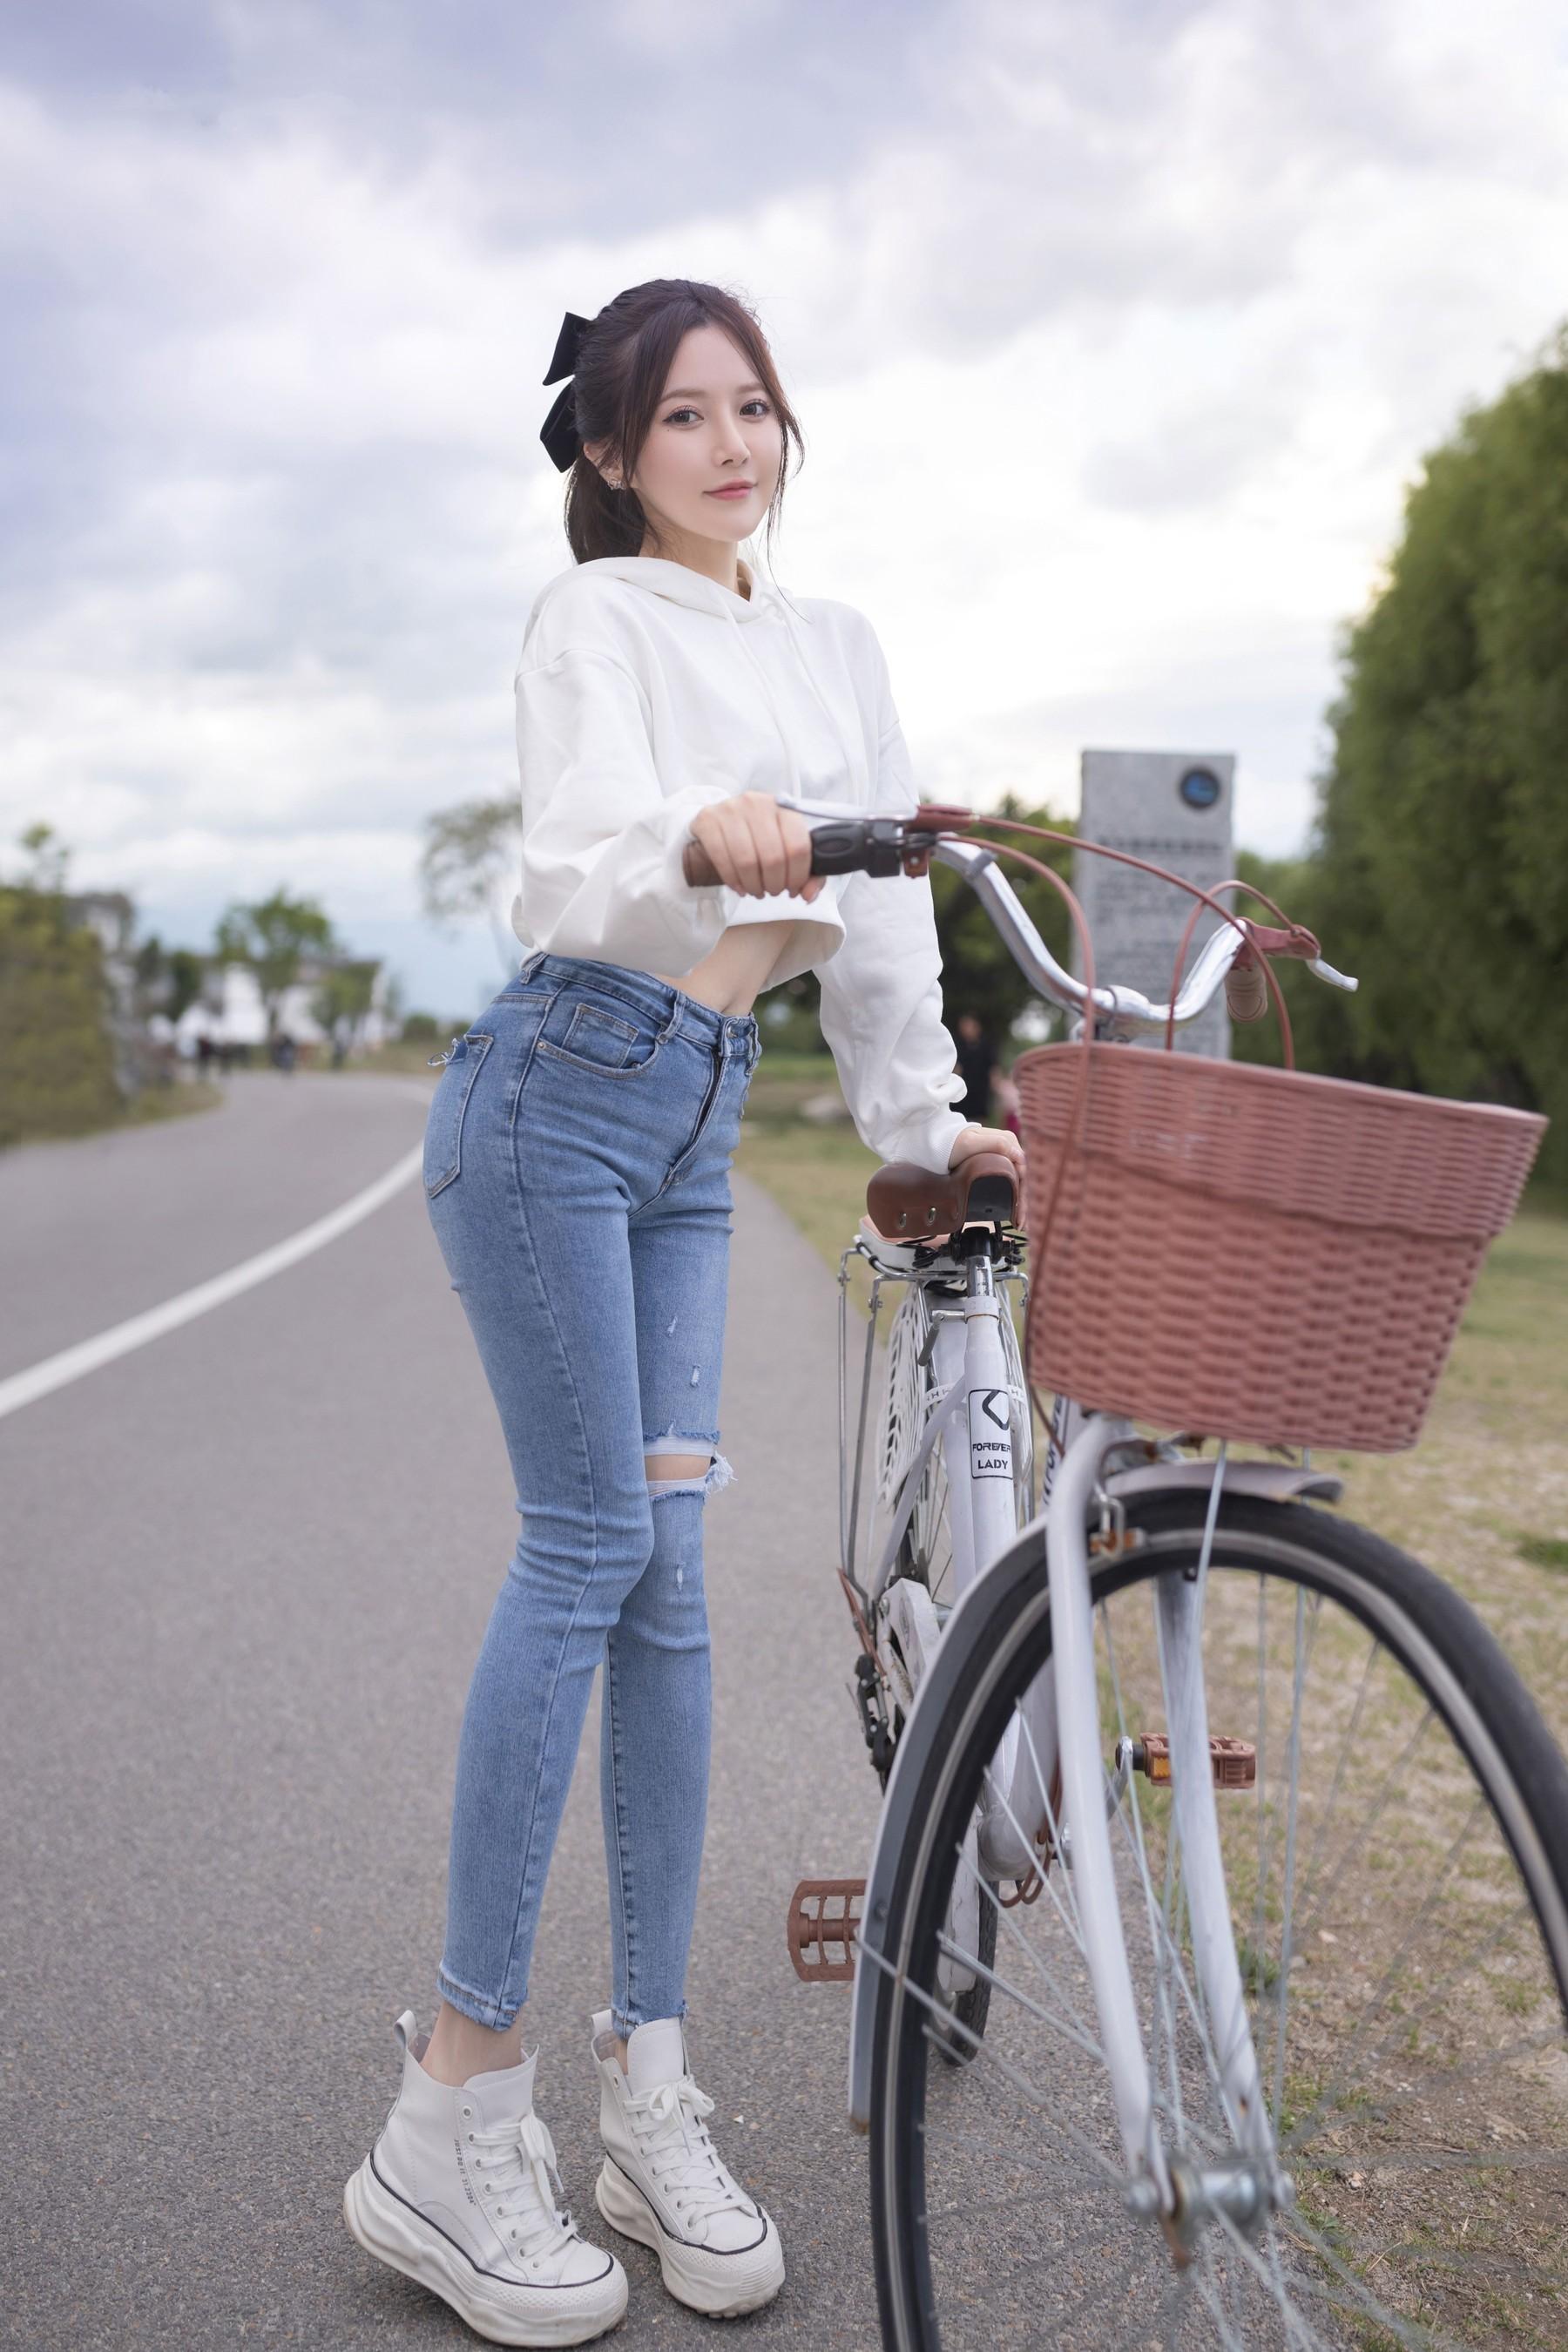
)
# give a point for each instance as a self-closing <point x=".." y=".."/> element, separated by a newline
<point x="1117" y="331"/>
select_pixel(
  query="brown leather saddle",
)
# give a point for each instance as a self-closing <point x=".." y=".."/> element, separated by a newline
<point x="907" y="1203"/>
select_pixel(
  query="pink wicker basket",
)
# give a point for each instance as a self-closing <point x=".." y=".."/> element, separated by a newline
<point x="1254" y="1253"/>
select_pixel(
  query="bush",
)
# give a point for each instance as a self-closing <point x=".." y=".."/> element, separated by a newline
<point x="419" y="1029"/>
<point x="56" y="1059"/>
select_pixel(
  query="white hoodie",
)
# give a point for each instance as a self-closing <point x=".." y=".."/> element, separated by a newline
<point x="645" y="692"/>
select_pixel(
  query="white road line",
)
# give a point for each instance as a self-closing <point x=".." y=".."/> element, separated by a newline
<point x="72" y="1363"/>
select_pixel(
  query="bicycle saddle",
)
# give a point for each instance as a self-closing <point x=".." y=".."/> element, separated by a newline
<point x="910" y="1203"/>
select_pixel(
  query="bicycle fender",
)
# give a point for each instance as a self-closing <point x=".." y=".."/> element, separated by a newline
<point x="1269" y="1482"/>
<point x="989" y="1604"/>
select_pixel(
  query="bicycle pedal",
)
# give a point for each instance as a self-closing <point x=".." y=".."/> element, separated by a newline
<point x="1233" y="1761"/>
<point x="824" y="1919"/>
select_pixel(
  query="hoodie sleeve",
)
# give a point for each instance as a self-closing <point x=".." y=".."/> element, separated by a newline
<point x="881" y="991"/>
<point x="602" y="841"/>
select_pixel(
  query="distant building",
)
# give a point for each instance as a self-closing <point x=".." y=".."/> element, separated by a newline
<point x="230" y="1012"/>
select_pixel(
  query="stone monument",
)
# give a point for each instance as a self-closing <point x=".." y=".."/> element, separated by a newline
<point x="1172" y="808"/>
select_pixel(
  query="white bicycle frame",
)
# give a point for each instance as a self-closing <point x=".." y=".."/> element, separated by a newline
<point x="1057" y="1726"/>
<point x="977" y="1421"/>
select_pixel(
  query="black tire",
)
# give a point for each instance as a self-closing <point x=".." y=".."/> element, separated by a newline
<point x="1420" y="1622"/>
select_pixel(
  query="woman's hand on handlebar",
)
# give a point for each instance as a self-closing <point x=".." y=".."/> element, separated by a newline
<point x="972" y="1139"/>
<point x="758" y="847"/>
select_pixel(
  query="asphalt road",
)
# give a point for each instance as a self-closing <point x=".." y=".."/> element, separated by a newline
<point x="246" y="1572"/>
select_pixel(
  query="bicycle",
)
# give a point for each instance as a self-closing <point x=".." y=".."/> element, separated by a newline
<point x="1218" y="1836"/>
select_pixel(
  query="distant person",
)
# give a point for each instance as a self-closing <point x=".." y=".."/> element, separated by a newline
<point x="576" y="1167"/>
<point x="976" y="1061"/>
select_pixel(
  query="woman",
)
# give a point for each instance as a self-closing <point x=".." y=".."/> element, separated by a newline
<point x="576" y="1163"/>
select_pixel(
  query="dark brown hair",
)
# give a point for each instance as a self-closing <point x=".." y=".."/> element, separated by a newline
<point x="623" y="361"/>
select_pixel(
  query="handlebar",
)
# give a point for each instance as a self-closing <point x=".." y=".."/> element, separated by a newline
<point x="846" y="841"/>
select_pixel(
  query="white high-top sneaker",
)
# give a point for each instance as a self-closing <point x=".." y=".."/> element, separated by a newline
<point x="664" y="2183"/>
<point x="457" y="2192"/>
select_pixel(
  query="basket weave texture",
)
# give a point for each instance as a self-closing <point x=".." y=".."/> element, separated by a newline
<point x="1256" y="1252"/>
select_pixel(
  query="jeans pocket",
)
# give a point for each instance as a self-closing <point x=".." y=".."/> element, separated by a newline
<point x="586" y="1034"/>
<point x="444" y="1126"/>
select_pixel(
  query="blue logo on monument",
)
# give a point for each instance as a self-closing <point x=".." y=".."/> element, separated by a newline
<point x="1199" y="788"/>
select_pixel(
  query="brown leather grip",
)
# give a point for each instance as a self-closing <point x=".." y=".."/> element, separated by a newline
<point x="1247" y="992"/>
<point x="697" y="865"/>
<point x="1246" y="984"/>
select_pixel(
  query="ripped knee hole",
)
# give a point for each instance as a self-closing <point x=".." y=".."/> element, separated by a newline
<point x="687" y="1474"/>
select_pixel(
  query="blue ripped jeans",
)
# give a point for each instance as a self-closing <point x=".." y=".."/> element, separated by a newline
<point x="577" y="1172"/>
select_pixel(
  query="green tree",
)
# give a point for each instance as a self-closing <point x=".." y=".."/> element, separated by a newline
<point x="470" y="851"/>
<point x="272" y="934"/>
<point x="346" y="994"/>
<point x="185" y="976"/>
<point x="56" y="1055"/>
<point x="1439" y="873"/>
<point x="48" y="859"/>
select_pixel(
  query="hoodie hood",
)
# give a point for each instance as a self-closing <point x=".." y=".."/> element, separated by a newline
<point x="659" y="577"/>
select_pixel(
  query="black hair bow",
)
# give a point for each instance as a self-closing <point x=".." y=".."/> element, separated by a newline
<point x="559" y="430"/>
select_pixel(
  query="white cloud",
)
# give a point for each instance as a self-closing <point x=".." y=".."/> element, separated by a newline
<point x="1116" y="355"/>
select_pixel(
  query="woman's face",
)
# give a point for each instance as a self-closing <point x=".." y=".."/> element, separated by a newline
<point x="715" y="431"/>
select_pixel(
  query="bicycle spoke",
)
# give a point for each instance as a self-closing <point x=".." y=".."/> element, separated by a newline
<point x="1101" y="2290"/>
<point x="1210" y="2299"/>
<point x="1144" y="2332"/>
<point x="1285" y="1947"/>
<point x="1361" y="2300"/>
<point x="1382" y="1993"/>
<point x="1191" y="1996"/>
<point x="1347" y="1748"/>
<point x="1159" y="1952"/>
<point x="1445" y="2159"/>
<point x="1397" y="1773"/>
<point x="1268" y="2273"/>
<point x="1077" y="2029"/>
<point x="1037" y="2099"/>
<point x="1060" y="2184"/>
<point x="1054" y="1828"/>
<point x="1000" y="1984"/>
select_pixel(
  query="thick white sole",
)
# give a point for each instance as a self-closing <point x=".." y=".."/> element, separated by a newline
<point x="689" y="2272"/>
<point x="395" y="2235"/>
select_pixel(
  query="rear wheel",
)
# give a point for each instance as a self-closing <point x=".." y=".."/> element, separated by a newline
<point x="1398" y="1884"/>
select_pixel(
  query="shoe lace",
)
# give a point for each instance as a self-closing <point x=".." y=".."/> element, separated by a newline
<point x="524" y="2186"/>
<point x="673" y="2136"/>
